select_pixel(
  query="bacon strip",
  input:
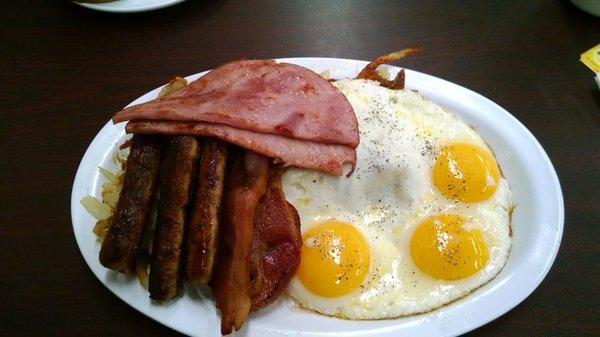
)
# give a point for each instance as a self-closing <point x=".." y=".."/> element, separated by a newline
<point x="276" y="244"/>
<point x="262" y="96"/>
<point x="246" y="184"/>
<point x="291" y="152"/>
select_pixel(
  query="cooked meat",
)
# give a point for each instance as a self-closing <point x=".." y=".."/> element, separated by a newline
<point x="203" y="223"/>
<point x="177" y="172"/>
<point x="276" y="243"/>
<point x="398" y="82"/>
<point x="120" y="247"/>
<point x="370" y="70"/>
<point x="261" y="96"/>
<point x="245" y="185"/>
<point x="291" y="152"/>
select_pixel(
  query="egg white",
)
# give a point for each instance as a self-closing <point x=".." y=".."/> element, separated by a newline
<point x="390" y="192"/>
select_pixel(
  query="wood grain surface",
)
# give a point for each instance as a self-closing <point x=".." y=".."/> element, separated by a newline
<point x="65" y="70"/>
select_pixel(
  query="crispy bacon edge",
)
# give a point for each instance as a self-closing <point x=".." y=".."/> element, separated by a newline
<point x="369" y="72"/>
<point x="276" y="244"/>
<point x="246" y="184"/>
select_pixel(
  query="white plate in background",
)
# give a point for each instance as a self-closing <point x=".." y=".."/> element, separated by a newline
<point x="129" y="6"/>
<point x="537" y="226"/>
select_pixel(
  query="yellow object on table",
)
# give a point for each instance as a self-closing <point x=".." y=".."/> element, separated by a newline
<point x="591" y="58"/>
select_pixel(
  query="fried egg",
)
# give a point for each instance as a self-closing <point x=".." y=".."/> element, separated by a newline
<point x="424" y="219"/>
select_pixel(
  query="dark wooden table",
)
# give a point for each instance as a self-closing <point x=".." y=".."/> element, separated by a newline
<point x="65" y="70"/>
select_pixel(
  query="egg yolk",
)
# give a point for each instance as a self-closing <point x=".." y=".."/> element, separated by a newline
<point x="465" y="173"/>
<point x="334" y="259"/>
<point x="448" y="247"/>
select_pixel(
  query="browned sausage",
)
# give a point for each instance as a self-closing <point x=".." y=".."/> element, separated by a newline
<point x="120" y="247"/>
<point x="203" y="223"/>
<point x="177" y="171"/>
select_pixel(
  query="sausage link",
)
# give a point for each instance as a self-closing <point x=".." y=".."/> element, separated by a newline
<point x="176" y="178"/>
<point x="120" y="247"/>
<point x="203" y="224"/>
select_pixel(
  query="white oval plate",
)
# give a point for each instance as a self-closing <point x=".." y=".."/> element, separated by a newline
<point x="129" y="6"/>
<point x="537" y="229"/>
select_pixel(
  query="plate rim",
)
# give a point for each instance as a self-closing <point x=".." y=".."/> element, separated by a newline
<point x="107" y="7"/>
<point x="516" y="300"/>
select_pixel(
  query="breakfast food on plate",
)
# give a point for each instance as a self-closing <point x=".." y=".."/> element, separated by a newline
<point x="276" y="244"/>
<point x="241" y="236"/>
<point x="291" y="152"/>
<point x="252" y="198"/>
<point x="181" y="153"/>
<point x="370" y="71"/>
<point x="247" y="182"/>
<point x="204" y="218"/>
<point x="424" y="220"/>
<point x="261" y="96"/>
<point x="260" y="240"/>
<point x="279" y="110"/>
<point x="120" y="247"/>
